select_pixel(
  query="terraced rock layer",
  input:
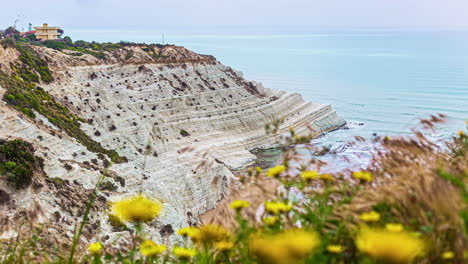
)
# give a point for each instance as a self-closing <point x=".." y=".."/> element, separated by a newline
<point x="183" y="121"/>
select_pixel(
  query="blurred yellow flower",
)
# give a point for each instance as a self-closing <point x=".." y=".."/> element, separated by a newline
<point x="371" y="216"/>
<point x="363" y="176"/>
<point x="396" y="247"/>
<point x="239" y="204"/>
<point x="326" y="177"/>
<point x="187" y="231"/>
<point x="309" y="175"/>
<point x="149" y="249"/>
<point x="137" y="208"/>
<point x="270" y="220"/>
<point x="461" y="133"/>
<point x="277" y="208"/>
<point x="210" y="233"/>
<point x="394" y="227"/>
<point x="448" y="255"/>
<point x="258" y="169"/>
<point x="224" y="245"/>
<point x="288" y="247"/>
<point x="184" y="253"/>
<point x="275" y="171"/>
<point x="95" y="248"/>
<point x="335" y="249"/>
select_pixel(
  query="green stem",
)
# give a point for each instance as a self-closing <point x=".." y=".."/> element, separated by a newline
<point x="77" y="235"/>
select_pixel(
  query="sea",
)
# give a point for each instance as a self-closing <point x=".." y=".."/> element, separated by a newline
<point x="382" y="82"/>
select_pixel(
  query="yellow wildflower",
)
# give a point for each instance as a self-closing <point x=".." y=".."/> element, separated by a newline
<point x="394" y="227"/>
<point x="290" y="246"/>
<point x="95" y="248"/>
<point x="335" y="249"/>
<point x="371" y="216"/>
<point x="138" y="208"/>
<point x="224" y="245"/>
<point x="184" y="253"/>
<point x="326" y="177"/>
<point x="239" y="204"/>
<point x="397" y="247"/>
<point x="277" y="208"/>
<point x="309" y="175"/>
<point x="187" y="231"/>
<point x="270" y="220"/>
<point x="363" y="176"/>
<point x="210" y="234"/>
<point x="148" y="248"/>
<point x="258" y="169"/>
<point x="448" y="255"/>
<point x="275" y="171"/>
<point x="461" y="133"/>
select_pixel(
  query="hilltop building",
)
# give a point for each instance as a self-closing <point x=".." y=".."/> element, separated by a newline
<point x="47" y="33"/>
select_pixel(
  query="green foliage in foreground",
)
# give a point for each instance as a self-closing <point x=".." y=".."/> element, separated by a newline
<point x="381" y="216"/>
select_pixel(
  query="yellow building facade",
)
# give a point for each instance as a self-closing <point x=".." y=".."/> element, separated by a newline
<point x="47" y="33"/>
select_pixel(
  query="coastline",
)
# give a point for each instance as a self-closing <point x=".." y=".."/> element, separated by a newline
<point x="256" y="194"/>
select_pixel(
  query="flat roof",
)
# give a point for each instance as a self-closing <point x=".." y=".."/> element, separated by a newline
<point x="46" y="27"/>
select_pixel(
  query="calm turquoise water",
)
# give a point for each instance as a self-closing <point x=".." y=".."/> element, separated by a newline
<point x="386" y="81"/>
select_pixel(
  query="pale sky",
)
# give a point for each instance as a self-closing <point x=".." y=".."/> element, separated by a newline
<point x="315" y="14"/>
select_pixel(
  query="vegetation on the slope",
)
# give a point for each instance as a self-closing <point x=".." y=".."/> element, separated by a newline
<point x="97" y="49"/>
<point x="32" y="65"/>
<point x="409" y="206"/>
<point x="79" y="47"/>
<point x="17" y="162"/>
<point x="23" y="94"/>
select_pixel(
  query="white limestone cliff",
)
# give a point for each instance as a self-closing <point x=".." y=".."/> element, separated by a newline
<point x="184" y="123"/>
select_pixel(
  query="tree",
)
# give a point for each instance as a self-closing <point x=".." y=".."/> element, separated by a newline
<point x="11" y="30"/>
<point x="81" y="43"/>
<point x="60" y="31"/>
<point x="68" y="40"/>
<point x="31" y="37"/>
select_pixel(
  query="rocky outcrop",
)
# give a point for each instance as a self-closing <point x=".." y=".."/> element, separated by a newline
<point x="184" y="121"/>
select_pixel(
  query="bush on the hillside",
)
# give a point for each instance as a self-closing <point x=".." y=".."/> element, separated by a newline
<point x="31" y="37"/>
<point x="11" y="31"/>
<point x="53" y="44"/>
<point x="68" y="40"/>
<point x="17" y="162"/>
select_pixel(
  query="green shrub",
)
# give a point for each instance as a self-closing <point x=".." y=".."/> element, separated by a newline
<point x="129" y="54"/>
<point x="28" y="112"/>
<point x="68" y="40"/>
<point x="11" y="97"/>
<point x="31" y="37"/>
<point x="18" y="162"/>
<point x="53" y="44"/>
<point x="184" y="133"/>
<point x="8" y="43"/>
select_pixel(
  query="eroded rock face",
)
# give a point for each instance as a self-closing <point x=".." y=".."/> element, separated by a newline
<point x="183" y="122"/>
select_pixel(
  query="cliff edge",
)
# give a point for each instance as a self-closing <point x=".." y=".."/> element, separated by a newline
<point x="180" y="122"/>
